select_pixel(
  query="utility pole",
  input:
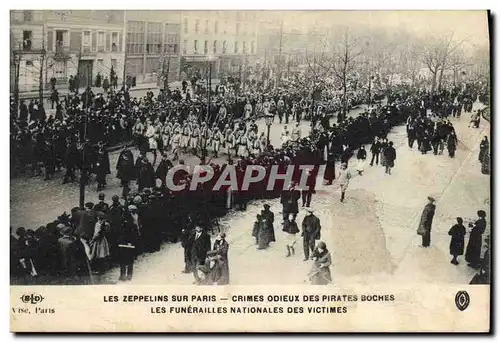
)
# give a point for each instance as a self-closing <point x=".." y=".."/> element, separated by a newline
<point x="279" y="52"/>
<point x="124" y="42"/>
<point x="17" y="67"/>
<point x="42" y="60"/>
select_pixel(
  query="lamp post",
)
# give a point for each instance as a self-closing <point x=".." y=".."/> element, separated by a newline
<point x="269" y="121"/>
<point x="210" y="58"/>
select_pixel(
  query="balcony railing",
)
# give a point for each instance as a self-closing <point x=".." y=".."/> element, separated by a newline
<point x="62" y="52"/>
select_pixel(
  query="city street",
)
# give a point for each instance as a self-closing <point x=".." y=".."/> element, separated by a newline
<point x="30" y="207"/>
<point x="372" y="236"/>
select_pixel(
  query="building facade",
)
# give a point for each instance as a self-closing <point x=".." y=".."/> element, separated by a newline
<point x="153" y="45"/>
<point x="227" y="39"/>
<point x="59" y="44"/>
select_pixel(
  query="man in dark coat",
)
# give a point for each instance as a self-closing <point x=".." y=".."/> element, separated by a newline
<point x="128" y="238"/>
<point x="311" y="231"/>
<point x="145" y="173"/>
<point x="390" y="157"/>
<point x="375" y="150"/>
<point x="200" y="246"/>
<point x="126" y="170"/>
<point x="268" y="215"/>
<point x="457" y="233"/>
<point x="163" y="168"/>
<point x="101" y="205"/>
<point x="425" y="226"/>
<point x="290" y="202"/>
<point x="116" y="213"/>
<point x="187" y="243"/>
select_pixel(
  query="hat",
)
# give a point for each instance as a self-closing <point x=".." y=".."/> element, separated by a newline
<point x="132" y="207"/>
<point x="61" y="226"/>
<point x="102" y="196"/>
<point x="66" y="231"/>
<point x="115" y="198"/>
<point x="432" y="199"/>
<point x="267" y="206"/>
<point x="137" y="199"/>
<point x="89" y="205"/>
<point x="198" y="228"/>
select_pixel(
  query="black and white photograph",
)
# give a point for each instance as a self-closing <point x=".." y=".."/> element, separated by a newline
<point x="219" y="148"/>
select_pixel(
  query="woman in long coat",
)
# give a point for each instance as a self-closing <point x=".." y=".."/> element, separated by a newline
<point x="452" y="144"/>
<point x="483" y="148"/>
<point x="221" y="248"/>
<point x="473" y="252"/>
<point x="263" y="233"/>
<point x="99" y="246"/>
<point x="329" y="175"/>
<point x="457" y="233"/>
<point x="320" y="273"/>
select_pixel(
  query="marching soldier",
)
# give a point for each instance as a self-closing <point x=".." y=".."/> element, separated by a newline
<point x="216" y="141"/>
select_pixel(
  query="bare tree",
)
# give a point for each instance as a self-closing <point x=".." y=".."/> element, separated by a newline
<point x="346" y="50"/>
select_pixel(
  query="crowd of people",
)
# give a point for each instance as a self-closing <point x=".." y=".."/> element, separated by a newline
<point x="91" y="239"/>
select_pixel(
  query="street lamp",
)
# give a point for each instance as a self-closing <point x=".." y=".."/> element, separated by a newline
<point x="269" y="121"/>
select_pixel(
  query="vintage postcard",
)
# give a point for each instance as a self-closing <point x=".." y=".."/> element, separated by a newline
<point x="254" y="171"/>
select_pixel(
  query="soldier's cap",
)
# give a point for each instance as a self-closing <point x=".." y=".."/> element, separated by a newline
<point x="309" y="210"/>
<point x="432" y="199"/>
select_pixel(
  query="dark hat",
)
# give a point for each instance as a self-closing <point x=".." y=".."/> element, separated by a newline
<point x="115" y="198"/>
<point x="430" y="198"/>
<point x="481" y="213"/>
<point x="89" y="205"/>
<point x="102" y="196"/>
<point x="322" y="245"/>
<point x="266" y="206"/>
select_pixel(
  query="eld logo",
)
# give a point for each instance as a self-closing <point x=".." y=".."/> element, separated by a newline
<point x="32" y="298"/>
<point x="462" y="300"/>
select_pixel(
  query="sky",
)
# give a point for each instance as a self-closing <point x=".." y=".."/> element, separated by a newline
<point x="471" y="25"/>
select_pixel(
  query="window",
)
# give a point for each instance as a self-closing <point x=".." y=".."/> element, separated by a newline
<point x="186" y="25"/>
<point x="237" y="28"/>
<point x="100" y="41"/>
<point x="135" y="37"/>
<point x="205" y="49"/>
<point x="215" y="47"/>
<point x="225" y="27"/>
<point x="197" y="26"/>
<point x="27" y="40"/>
<point x="153" y="38"/>
<point x="172" y="38"/>
<point x="114" y="42"/>
<point x="28" y="16"/>
<point x="216" y="27"/>
<point x="86" y="41"/>
<point x="224" y="47"/>
<point x="184" y="47"/>
<point x="235" y="47"/>
<point x="244" y="47"/>
<point x="195" y="46"/>
<point x="253" y="48"/>
<point x="206" y="25"/>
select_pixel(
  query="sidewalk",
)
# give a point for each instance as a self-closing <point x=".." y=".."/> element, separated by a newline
<point x="65" y="91"/>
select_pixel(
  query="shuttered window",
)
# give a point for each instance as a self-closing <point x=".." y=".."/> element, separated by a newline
<point x="94" y="41"/>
